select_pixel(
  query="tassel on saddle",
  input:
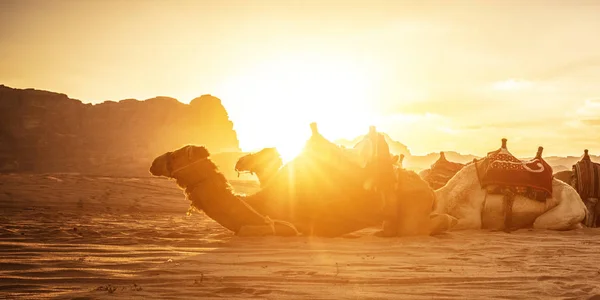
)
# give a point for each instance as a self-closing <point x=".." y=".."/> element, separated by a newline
<point x="509" y="200"/>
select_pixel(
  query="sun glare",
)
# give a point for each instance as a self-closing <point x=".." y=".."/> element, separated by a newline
<point x="289" y="151"/>
<point x="282" y="96"/>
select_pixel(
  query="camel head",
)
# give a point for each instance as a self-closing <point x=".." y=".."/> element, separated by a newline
<point x="174" y="162"/>
<point x="268" y="158"/>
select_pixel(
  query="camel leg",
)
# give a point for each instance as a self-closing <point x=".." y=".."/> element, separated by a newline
<point x="470" y="222"/>
<point x="439" y="223"/>
<point x="255" y="230"/>
<point x="276" y="227"/>
<point x="567" y="215"/>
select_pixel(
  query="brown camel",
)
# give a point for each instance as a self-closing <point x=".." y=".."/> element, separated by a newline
<point x="264" y="163"/>
<point x="321" y="192"/>
<point x="209" y="191"/>
<point x="585" y="179"/>
<point x="440" y="172"/>
<point x="565" y="176"/>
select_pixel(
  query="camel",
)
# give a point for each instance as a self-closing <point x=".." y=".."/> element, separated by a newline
<point x="584" y="178"/>
<point x="209" y="191"/>
<point x="565" y="176"/>
<point x="320" y="192"/>
<point x="264" y="163"/>
<point x="476" y="207"/>
<point x="440" y="172"/>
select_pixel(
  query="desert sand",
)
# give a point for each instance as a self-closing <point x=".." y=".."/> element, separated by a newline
<point x="71" y="236"/>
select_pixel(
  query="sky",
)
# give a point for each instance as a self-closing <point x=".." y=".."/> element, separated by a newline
<point x="434" y="75"/>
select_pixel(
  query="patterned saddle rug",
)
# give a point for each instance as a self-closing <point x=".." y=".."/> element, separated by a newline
<point x="587" y="183"/>
<point x="441" y="171"/>
<point x="501" y="170"/>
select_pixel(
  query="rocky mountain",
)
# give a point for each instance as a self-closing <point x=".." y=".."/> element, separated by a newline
<point x="42" y="131"/>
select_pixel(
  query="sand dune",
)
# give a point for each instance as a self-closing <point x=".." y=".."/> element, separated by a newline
<point x="71" y="236"/>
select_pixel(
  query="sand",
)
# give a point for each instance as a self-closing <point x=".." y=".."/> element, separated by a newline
<point x="70" y="236"/>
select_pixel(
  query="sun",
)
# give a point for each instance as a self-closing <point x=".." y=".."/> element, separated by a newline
<point x="289" y="151"/>
<point x="277" y="99"/>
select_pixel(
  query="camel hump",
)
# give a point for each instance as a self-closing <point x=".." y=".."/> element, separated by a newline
<point x="539" y="152"/>
<point x="504" y="140"/>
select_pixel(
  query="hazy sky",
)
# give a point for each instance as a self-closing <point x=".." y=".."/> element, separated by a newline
<point x="434" y="76"/>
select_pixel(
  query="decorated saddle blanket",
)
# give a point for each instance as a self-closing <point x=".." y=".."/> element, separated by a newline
<point x="441" y="171"/>
<point x="500" y="170"/>
<point x="587" y="175"/>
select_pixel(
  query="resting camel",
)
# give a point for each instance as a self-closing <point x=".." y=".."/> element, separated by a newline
<point x="320" y="192"/>
<point x="565" y="176"/>
<point x="475" y="207"/>
<point x="264" y="163"/>
<point x="440" y="172"/>
<point x="585" y="179"/>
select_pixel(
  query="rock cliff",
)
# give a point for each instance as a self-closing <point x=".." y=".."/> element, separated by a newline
<point x="42" y="131"/>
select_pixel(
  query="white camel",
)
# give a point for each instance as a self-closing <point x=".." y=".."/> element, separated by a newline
<point x="464" y="198"/>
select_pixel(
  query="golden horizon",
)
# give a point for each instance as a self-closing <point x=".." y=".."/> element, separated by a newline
<point x="434" y="77"/>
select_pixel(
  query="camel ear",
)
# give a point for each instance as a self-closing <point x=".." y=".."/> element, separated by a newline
<point x="395" y="159"/>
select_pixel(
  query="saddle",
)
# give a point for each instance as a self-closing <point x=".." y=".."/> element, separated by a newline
<point x="587" y="174"/>
<point x="348" y="162"/>
<point x="587" y="183"/>
<point x="441" y="171"/>
<point x="502" y="173"/>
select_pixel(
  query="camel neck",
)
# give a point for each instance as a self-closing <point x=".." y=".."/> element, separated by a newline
<point x="216" y="198"/>
<point x="265" y="174"/>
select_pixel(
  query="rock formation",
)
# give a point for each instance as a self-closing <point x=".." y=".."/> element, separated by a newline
<point x="42" y="131"/>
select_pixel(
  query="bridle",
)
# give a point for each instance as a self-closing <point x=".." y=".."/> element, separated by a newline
<point x="169" y="157"/>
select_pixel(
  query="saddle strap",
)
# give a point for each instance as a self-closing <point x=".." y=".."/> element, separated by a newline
<point x="509" y="200"/>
